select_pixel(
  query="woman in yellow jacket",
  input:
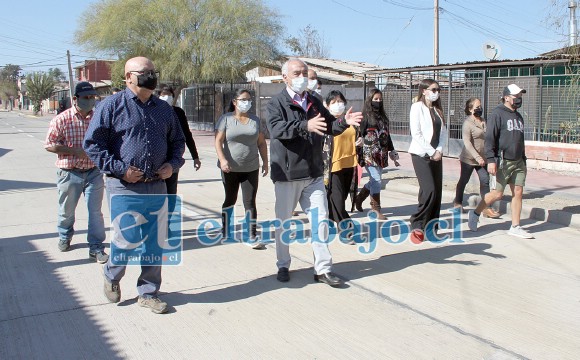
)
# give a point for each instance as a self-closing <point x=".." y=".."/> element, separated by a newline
<point x="342" y="152"/>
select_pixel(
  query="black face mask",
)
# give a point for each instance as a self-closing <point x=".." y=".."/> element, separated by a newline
<point x="478" y="112"/>
<point x="147" y="81"/>
<point x="518" y="102"/>
<point x="376" y="105"/>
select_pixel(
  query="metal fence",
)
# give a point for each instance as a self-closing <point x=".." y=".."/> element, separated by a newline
<point x="204" y="104"/>
<point x="551" y="107"/>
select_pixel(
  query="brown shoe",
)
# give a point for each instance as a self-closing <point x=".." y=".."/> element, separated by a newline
<point x="490" y="213"/>
<point x="376" y="206"/>
<point x="360" y="197"/>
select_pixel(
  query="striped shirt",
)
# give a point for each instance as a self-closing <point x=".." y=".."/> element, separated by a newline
<point x="68" y="129"/>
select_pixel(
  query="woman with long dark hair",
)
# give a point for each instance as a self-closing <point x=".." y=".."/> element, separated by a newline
<point x="428" y="136"/>
<point x="375" y="139"/>
<point x="472" y="156"/>
<point x="238" y="142"/>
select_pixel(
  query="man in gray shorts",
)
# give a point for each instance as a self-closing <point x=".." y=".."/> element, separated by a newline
<point x="506" y="158"/>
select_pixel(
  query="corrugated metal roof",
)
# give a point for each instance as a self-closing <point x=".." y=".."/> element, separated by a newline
<point x="352" y="67"/>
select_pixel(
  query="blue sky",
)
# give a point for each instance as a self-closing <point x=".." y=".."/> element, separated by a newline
<point x="391" y="33"/>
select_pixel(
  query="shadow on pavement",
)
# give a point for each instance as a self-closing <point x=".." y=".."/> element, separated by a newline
<point x="41" y="311"/>
<point x="16" y="185"/>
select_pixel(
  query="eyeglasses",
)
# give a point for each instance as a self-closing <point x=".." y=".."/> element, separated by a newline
<point x="434" y="89"/>
<point x="149" y="73"/>
<point x="244" y="99"/>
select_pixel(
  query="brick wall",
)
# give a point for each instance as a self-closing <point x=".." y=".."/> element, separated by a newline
<point x="567" y="153"/>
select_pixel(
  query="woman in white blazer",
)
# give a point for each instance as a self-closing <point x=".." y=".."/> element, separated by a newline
<point x="428" y="137"/>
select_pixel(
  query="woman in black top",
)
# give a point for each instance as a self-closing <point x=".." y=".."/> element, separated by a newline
<point x="168" y="95"/>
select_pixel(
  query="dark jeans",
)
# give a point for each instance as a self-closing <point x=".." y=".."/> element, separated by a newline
<point x="171" y="183"/>
<point x="249" y="184"/>
<point x="466" y="171"/>
<point x="340" y="182"/>
<point x="430" y="176"/>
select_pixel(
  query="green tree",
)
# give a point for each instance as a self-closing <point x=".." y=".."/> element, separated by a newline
<point x="10" y="72"/>
<point x="188" y="40"/>
<point x="9" y="76"/>
<point x="39" y="86"/>
<point x="308" y="43"/>
<point x="57" y="75"/>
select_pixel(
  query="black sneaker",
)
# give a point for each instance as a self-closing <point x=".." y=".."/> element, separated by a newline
<point x="64" y="245"/>
<point x="283" y="275"/>
<point x="99" y="255"/>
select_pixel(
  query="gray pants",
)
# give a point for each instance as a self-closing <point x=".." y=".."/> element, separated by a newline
<point x="312" y="195"/>
<point x="149" y="281"/>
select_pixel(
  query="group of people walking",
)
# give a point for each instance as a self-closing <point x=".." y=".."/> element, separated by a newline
<point x="137" y="140"/>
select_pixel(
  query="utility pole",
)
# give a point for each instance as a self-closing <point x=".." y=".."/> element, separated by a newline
<point x="436" y="34"/>
<point x="70" y="78"/>
<point x="573" y="35"/>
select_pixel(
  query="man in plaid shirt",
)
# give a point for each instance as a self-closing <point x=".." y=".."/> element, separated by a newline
<point x="77" y="174"/>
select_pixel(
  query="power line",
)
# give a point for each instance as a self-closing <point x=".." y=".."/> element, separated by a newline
<point x="407" y="6"/>
<point x="364" y="13"/>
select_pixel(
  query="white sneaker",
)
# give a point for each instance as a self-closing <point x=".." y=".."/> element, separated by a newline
<point x="519" y="232"/>
<point x="256" y="244"/>
<point x="472" y="220"/>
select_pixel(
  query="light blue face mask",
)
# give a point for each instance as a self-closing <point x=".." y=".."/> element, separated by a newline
<point x="244" y="105"/>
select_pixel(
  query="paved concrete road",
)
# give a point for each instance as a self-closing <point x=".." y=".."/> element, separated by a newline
<point x="489" y="297"/>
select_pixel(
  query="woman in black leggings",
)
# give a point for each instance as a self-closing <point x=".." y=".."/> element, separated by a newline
<point x="472" y="156"/>
<point x="238" y="142"/>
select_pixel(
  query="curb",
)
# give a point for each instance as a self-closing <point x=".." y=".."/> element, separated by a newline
<point x="558" y="217"/>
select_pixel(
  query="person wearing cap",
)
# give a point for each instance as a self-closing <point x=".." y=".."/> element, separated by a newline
<point x="77" y="174"/>
<point x="136" y="140"/>
<point x="506" y="157"/>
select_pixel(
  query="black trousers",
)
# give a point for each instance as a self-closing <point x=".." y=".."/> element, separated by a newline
<point x="171" y="183"/>
<point x="338" y="191"/>
<point x="249" y="184"/>
<point x="466" y="171"/>
<point x="430" y="176"/>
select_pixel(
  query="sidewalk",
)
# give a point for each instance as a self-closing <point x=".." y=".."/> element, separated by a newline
<point x="491" y="296"/>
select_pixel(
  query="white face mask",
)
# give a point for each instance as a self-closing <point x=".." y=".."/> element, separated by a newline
<point x="318" y="91"/>
<point x="431" y="96"/>
<point x="299" y="84"/>
<point x="167" y="98"/>
<point x="312" y="84"/>
<point x="244" y="105"/>
<point x="337" y="108"/>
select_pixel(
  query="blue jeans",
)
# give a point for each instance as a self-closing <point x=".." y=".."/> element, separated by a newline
<point x="149" y="281"/>
<point x="374" y="184"/>
<point x="71" y="184"/>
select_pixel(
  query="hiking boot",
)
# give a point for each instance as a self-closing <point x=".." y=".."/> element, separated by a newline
<point x="64" y="245"/>
<point x="99" y="255"/>
<point x="112" y="291"/>
<point x="154" y="303"/>
<point x="360" y="197"/>
<point x="519" y="232"/>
